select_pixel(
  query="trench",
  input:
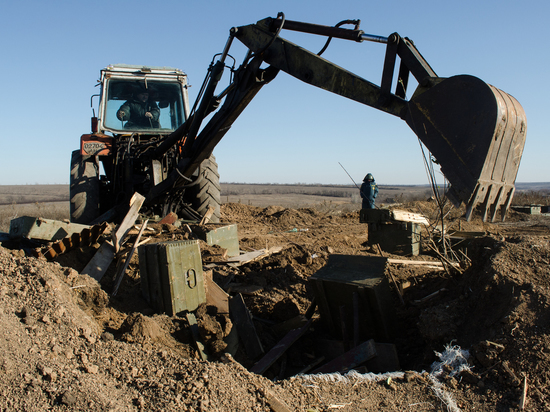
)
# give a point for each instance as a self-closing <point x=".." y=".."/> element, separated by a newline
<point x="437" y="308"/>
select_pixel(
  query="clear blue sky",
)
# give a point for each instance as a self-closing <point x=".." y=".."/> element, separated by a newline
<point x="52" y="53"/>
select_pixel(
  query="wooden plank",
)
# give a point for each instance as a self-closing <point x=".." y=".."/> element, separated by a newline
<point x="247" y="257"/>
<point x="208" y="215"/>
<point x="254" y="255"/>
<point x="350" y="359"/>
<point x="324" y="307"/>
<point x="279" y="349"/>
<point x="242" y="319"/>
<point x="281" y="329"/>
<point x="244" y="289"/>
<point x="149" y="273"/>
<point x="122" y="271"/>
<point x="404" y="216"/>
<point x="419" y="262"/>
<point x="215" y="295"/>
<point x="98" y="265"/>
<point x="192" y="320"/>
<point x="129" y="220"/>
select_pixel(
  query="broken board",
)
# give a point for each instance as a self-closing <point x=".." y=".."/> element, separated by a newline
<point x="241" y="317"/>
<point x="349" y="360"/>
<point x="97" y="267"/>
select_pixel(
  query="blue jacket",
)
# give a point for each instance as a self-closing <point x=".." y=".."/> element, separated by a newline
<point x="369" y="191"/>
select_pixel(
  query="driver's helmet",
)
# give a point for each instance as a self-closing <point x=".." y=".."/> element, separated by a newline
<point x="368" y="178"/>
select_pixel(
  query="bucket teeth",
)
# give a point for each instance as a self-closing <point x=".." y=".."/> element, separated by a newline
<point x="477" y="134"/>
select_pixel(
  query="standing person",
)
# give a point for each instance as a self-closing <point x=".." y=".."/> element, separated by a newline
<point x="139" y="112"/>
<point x="369" y="191"/>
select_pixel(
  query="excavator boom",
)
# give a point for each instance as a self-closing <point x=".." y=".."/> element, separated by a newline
<point x="475" y="131"/>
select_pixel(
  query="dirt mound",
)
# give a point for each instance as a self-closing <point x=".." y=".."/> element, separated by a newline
<point x="67" y="344"/>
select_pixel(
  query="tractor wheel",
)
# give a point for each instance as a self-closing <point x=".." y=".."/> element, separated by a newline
<point x="84" y="189"/>
<point x="206" y="189"/>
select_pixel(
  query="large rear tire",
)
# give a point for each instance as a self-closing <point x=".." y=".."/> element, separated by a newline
<point x="206" y="191"/>
<point x="84" y="189"/>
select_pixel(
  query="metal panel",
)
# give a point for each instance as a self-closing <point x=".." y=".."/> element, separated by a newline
<point x="42" y="229"/>
<point x="337" y="282"/>
<point x="400" y="238"/>
<point x="150" y="278"/>
<point x="172" y="277"/>
<point x="225" y="237"/>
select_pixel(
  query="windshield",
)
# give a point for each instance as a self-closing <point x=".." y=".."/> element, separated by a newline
<point x="132" y="105"/>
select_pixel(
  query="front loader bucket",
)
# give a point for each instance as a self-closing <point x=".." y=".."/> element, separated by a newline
<point x="476" y="132"/>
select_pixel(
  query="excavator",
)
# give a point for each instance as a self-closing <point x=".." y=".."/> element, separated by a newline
<point x="474" y="131"/>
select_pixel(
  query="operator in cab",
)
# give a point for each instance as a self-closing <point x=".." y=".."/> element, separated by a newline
<point x="139" y="112"/>
<point x="369" y="191"/>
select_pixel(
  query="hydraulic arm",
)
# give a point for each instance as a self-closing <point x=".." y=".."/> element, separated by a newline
<point x="474" y="130"/>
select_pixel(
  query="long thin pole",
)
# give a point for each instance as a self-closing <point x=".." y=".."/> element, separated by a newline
<point x="349" y="176"/>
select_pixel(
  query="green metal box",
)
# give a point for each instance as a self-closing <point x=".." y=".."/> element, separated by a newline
<point x="171" y="276"/>
<point x="42" y="229"/>
<point x="354" y="298"/>
<point x="375" y="215"/>
<point x="224" y="236"/>
<point x="400" y="238"/>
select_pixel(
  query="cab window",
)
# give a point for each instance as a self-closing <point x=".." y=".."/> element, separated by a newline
<point x="164" y="101"/>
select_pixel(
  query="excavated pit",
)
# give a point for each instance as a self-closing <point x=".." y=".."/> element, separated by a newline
<point x="497" y="307"/>
<point x="439" y="307"/>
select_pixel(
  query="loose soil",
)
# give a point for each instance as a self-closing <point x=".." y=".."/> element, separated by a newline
<point x="68" y="345"/>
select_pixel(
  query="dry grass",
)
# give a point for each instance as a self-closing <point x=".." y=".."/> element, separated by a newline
<point x="46" y="201"/>
<point x="48" y="210"/>
<point x="52" y="201"/>
<point x="19" y="194"/>
<point x="531" y="197"/>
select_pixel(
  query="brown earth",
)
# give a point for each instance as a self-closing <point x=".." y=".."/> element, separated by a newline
<point x="68" y="345"/>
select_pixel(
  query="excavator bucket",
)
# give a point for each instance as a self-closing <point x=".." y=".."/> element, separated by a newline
<point x="476" y="133"/>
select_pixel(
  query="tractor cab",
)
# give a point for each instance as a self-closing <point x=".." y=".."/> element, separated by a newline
<point x="145" y="100"/>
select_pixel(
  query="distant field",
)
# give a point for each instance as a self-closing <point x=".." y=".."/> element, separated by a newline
<point x="46" y="210"/>
<point x="311" y="195"/>
<point x="22" y="194"/>
<point x="18" y="194"/>
<point x="52" y="201"/>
